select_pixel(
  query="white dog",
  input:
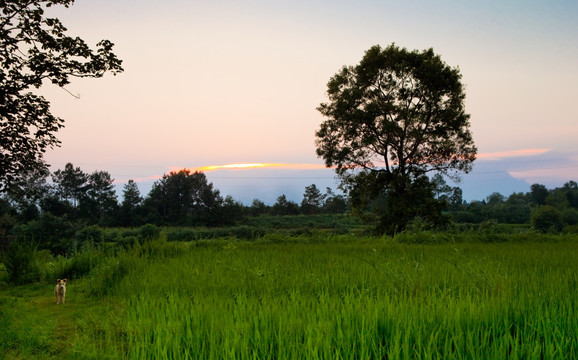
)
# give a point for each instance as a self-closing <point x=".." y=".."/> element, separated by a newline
<point x="60" y="290"/>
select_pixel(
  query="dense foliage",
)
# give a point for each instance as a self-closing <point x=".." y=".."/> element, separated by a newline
<point x="393" y="118"/>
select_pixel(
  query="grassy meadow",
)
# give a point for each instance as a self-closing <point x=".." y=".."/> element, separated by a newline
<point x="306" y="297"/>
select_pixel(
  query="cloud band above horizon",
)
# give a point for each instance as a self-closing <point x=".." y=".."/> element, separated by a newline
<point x="247" y="166"/>
<point x="303" y="166"/>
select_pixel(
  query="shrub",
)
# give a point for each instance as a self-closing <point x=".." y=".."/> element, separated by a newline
<point x="93" y="234"/>
<point x="570" y="216"/>
<point x="78" y="265"/>
<point x="22" y="263"/>
<point x="56" y="234"/>
<point x="127" y="241"/>
<point x="547" y="219"/>
<point x="149" y="232"/>
<point x="181" y="234"/>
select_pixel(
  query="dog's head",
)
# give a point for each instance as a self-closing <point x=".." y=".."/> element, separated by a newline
<point x="61" y="283"/>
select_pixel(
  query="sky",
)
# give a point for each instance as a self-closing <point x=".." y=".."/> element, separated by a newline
<point x="210" y="83"/>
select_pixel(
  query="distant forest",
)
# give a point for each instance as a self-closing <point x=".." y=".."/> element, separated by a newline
<point x="186" y="198"/>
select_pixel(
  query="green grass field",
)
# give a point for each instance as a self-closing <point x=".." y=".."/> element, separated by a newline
<point x="332" y="297"/>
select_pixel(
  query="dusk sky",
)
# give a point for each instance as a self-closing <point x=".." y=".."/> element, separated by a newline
<point x="225" y="82"/>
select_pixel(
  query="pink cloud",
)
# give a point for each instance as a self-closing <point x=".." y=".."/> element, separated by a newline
<point x="562" y="173"/>
<point x="512" y="153"/>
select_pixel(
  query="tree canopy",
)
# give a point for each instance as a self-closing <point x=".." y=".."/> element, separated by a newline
<point x="185" y="198"/>
<point x="35" y="50"/>
<point x="393" y="118"/>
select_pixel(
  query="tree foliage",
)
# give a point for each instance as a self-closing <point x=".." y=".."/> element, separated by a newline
<point x="70" y="184"/>
<point x="130" y="204"/>
<point x="186" y="198"/>
<point x="538" y="194"/>
<point x="547" y="218"/>
<point x="101" y="197"/>
<point x="334" y="203"/>
<point x="391" y="119"/>
<point x="283" y="206"/>
<point x="36" y="50"/>
<point x="27" y="192"/>
<point x="312" y="200"/>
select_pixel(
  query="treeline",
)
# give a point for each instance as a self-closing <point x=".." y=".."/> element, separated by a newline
<point x="70" y="199"/>
<point x="181" y="198"/>
<point x="546" y="210"/>
<point x="542" y="209"/>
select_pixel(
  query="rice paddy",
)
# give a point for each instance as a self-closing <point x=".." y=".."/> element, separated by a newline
<point x="340" y="297"/>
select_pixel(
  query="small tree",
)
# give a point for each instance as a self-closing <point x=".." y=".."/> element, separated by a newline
<point x="258" y="207"/>
<point x="285" y="207"/>
<point x="392" y="119"/>
<point x="312" y="200"/>
<point x="130" y="203"/>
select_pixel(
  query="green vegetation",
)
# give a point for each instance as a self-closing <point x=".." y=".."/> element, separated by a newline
<point x="420" y="294"/>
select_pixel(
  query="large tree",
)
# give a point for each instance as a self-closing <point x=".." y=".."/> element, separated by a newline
<point x="35" y="50"/>
<point x="184" y="198"/>
<point x="392" y="119"/>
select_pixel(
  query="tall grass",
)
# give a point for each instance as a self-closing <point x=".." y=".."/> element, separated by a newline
<point x="339" y="299"/>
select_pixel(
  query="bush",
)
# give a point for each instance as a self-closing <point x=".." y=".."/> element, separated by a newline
<point x="570" y="216"/>
<point x="181" y="234"/>
<point x="127" y="241"/>
<point x="22" y="263"/>
<point x="78" y="265"/>
<point x="91" y="234"/>
<point x="56" y="234"/>
<point x="148" y="232"/>
<point x="547" y="219"/>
